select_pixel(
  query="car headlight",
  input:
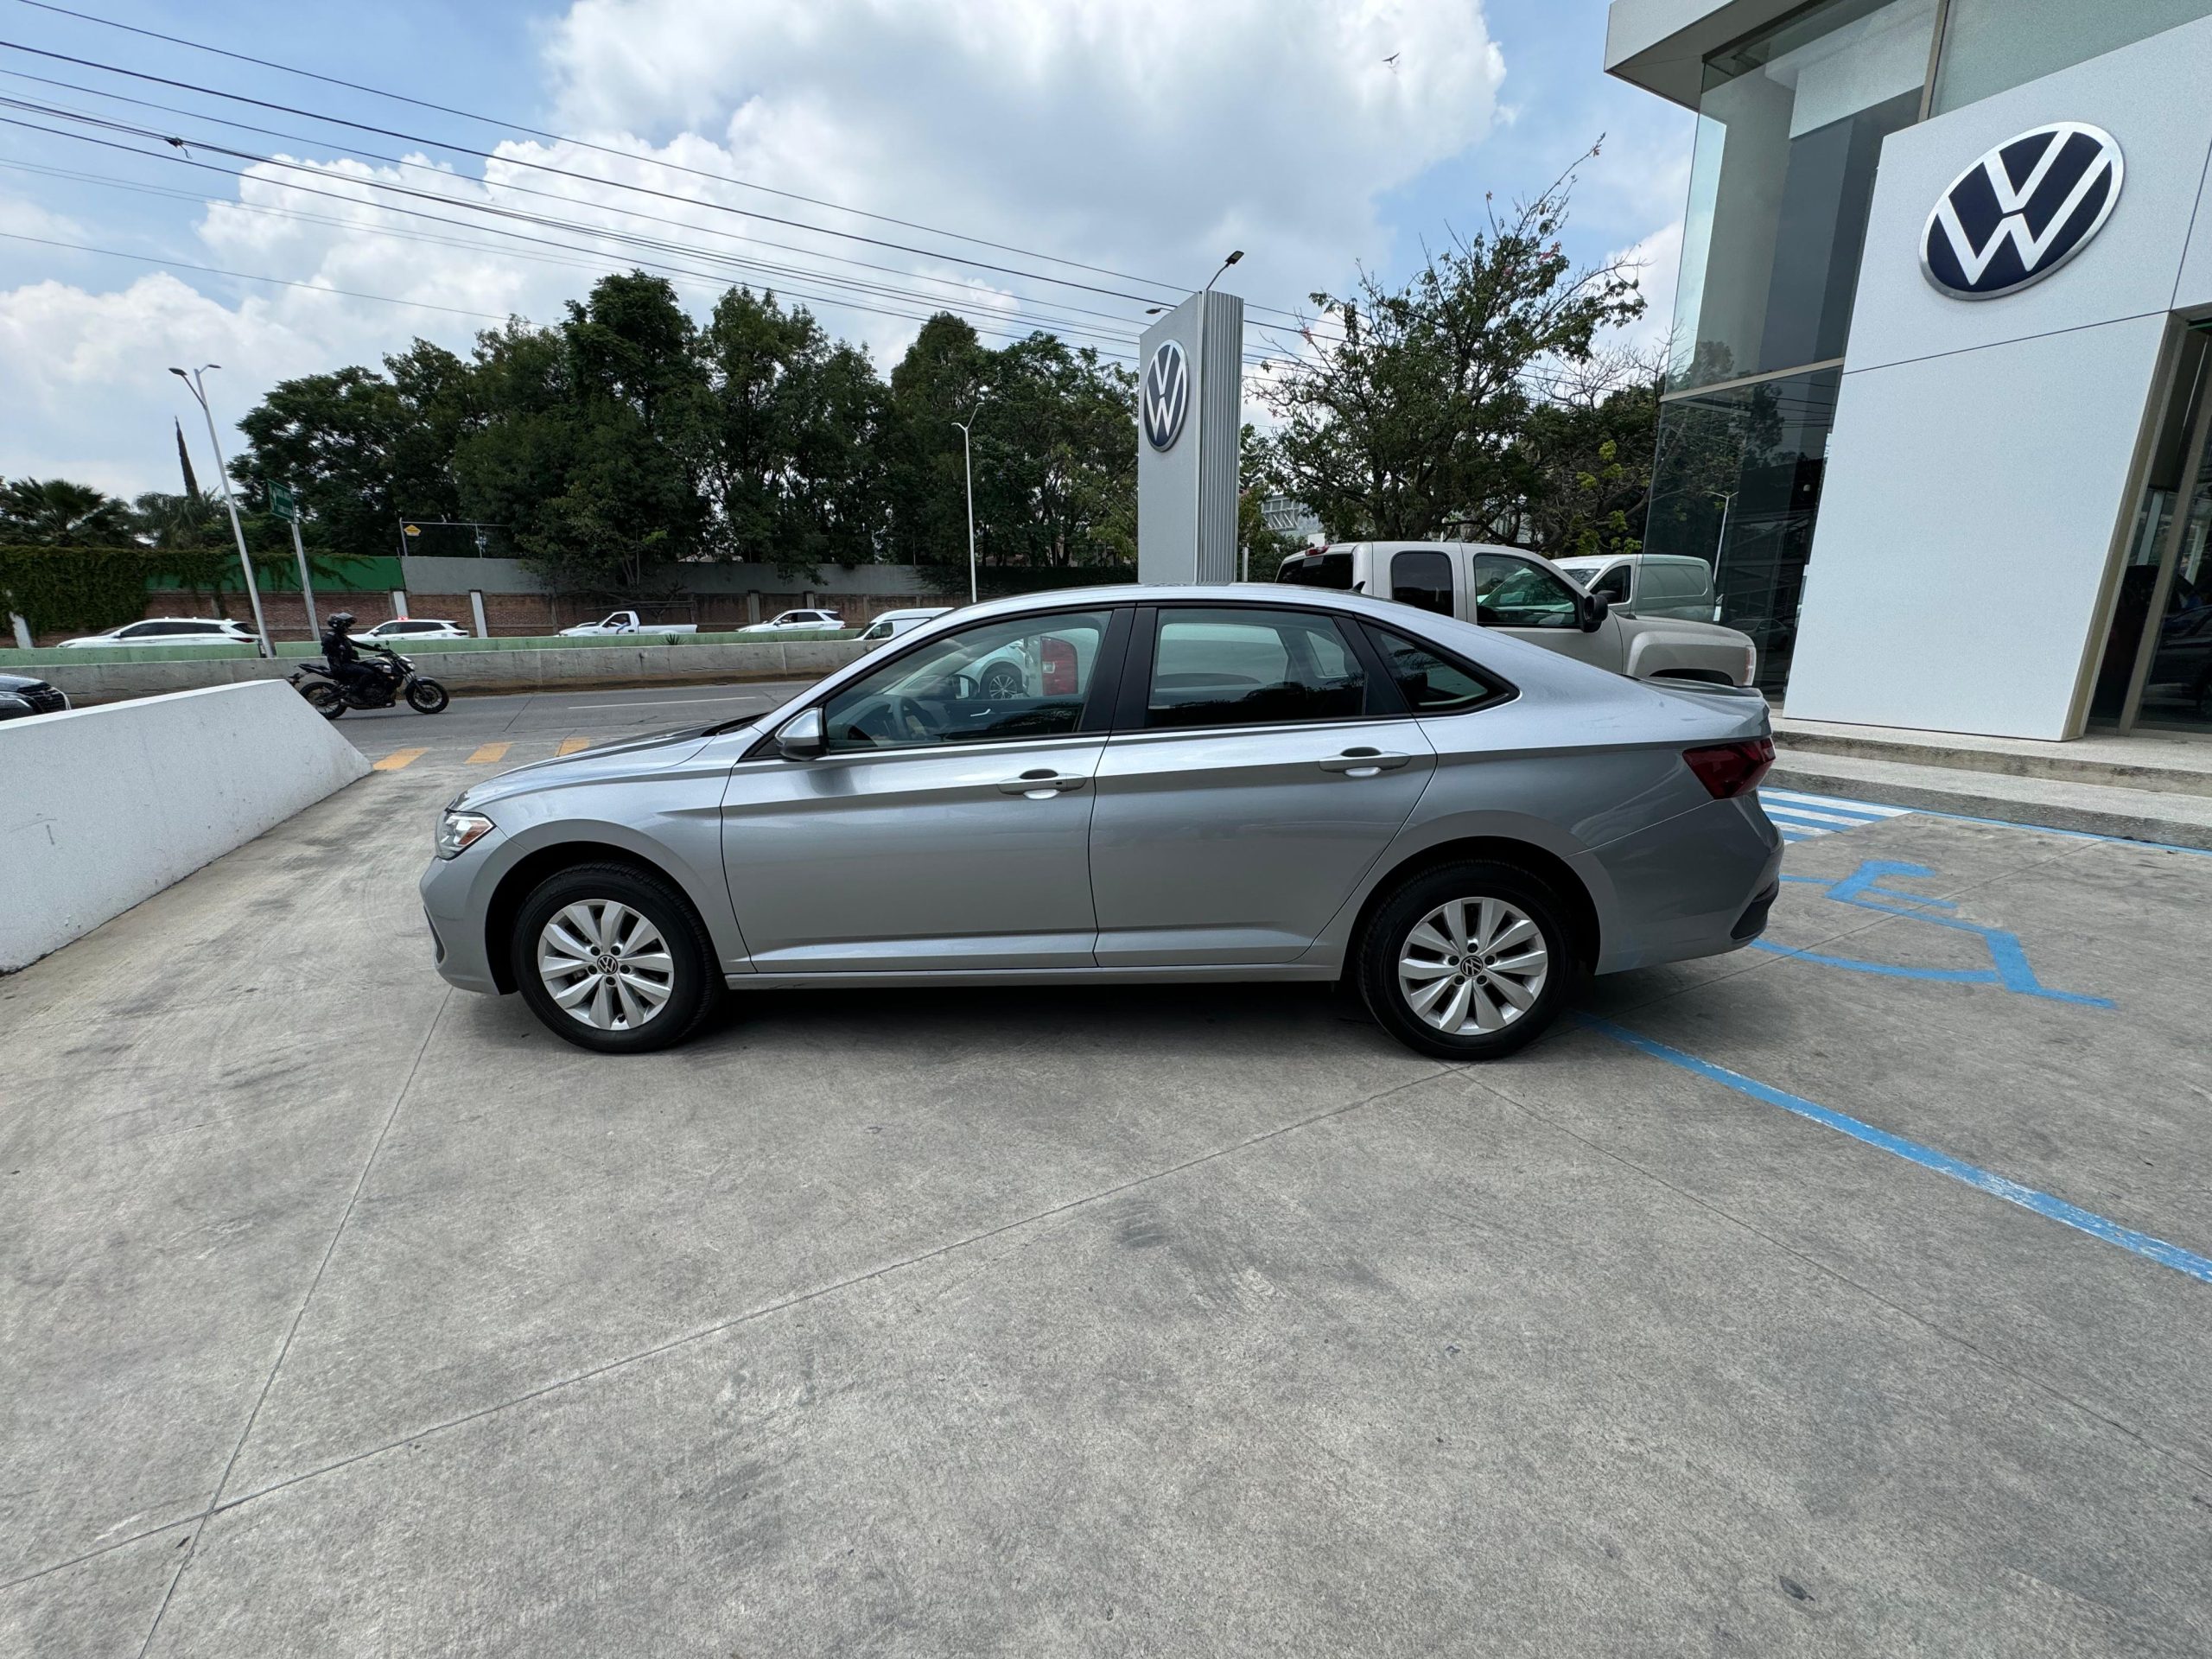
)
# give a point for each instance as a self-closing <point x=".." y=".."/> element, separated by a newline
<point x="459" y="831"/>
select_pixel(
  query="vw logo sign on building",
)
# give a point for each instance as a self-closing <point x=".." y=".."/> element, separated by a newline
<point x="1165" y="396"/>
<point x="2021" y="211"/>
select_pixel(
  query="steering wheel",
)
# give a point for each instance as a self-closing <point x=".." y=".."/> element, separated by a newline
<point x="894" y="719"/>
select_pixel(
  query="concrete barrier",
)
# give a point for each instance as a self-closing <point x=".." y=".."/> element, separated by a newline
<point x="102" y="808"/>
<point x="603" y="663"/>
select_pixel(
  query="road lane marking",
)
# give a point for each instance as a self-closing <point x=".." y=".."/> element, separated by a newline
<point x="572" y="744"/>
<point x="398" y="758"/>
<point x="489" y="753"/>
<point x="1982" y="1180"/>
<point x="671" y="702"/>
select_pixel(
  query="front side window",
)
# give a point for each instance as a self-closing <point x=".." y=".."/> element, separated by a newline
<point x="880" y="631"/>
<point x="1512" y="593"/>
<point x="1618" y="584"/>
<point x="1431" y="683"/>
<point x="1238" y="667"/>
<point x="1021" y="678"/>
<point x="1422" y="578"/>
<point x="1331" y="569"/>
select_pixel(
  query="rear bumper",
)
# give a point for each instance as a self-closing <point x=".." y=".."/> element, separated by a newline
<point x="1697" y="884"/>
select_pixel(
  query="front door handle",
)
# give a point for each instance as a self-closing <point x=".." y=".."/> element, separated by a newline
<point x="1041" y="784"/>
<point x="1363" y="763"/>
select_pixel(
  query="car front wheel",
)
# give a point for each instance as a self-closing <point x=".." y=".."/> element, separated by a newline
<point x="1469" y="962"/>
<point x="614" y="959"/>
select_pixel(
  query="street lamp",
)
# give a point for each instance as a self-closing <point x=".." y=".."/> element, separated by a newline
<point x="1198" y="401"/>
<point x="1727" y="499"/>
<point x="223" y="472"/>
<point x="968" y="467"/>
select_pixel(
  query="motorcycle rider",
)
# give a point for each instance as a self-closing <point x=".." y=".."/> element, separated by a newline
<point x="347" y="667"/>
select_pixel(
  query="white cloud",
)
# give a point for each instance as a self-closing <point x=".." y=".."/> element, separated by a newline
<point x="1144" y="136"/>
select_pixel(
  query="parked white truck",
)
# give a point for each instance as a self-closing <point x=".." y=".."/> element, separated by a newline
<point x="1530" y="598"/>
<point x="625" y="622"/>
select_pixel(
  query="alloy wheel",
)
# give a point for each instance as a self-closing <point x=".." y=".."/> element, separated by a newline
<point x="606" y="964"/>
<point x="1472" y="965"/>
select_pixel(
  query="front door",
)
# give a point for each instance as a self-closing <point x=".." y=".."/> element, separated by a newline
<point x="1252" y="784"/>
<point x="1522" y="598"/>
<point x="948" y="825"/>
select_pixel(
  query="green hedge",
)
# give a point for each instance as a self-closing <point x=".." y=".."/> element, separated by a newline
<point x="93" y="589"/>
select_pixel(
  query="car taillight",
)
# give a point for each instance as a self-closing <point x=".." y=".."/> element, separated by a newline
<point x="1732" y="769"/>
<point x="1058" y="658"/>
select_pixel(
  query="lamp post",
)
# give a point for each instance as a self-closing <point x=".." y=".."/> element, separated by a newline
<point x="223" y="472"/>
<point x="968" y="468"/>
<point x="1198" y="403"/>
<point x="1726" y="499"/>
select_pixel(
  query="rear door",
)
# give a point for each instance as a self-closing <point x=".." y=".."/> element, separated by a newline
<point x="1258" y="768"/>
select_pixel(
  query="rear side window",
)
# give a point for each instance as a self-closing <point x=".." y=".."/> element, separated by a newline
<point x="1431" y="683"/>
<point x="1233" y="667"/>
<point x="1331" y="570"/>
<point x="1422" y="579"/>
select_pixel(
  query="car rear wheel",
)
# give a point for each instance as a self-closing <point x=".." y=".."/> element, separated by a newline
<point x="1468" y="962"/>
<point x="614" y="959"/>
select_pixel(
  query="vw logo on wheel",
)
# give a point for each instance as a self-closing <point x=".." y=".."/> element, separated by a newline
<point x="1166" y="394"/>
<point x="2021" y="211"/>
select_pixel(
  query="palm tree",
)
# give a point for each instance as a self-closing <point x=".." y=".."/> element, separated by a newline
<point x="54" y="512"/>
<point x="180" y="523"/>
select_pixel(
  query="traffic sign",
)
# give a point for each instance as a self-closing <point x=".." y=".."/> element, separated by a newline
<point x="281" y="504"/>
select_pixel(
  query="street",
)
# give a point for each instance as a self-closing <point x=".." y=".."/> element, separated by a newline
<point x="507" y="731"/>
<point x="1841" y="1296"/>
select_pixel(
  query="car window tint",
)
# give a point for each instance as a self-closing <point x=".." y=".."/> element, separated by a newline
<point x="1512" y="593"/>
<point x="1232" y="667"/>
<point x="1431" y="683"/>
<point x="1022" y="678"/>
<point x="1422" y="578"/>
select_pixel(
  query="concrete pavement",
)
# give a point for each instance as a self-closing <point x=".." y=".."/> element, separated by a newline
<point x="345" y="1314"/>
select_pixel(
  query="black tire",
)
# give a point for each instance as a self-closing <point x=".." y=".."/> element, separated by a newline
<point x="1490" y="982"/>
<point x="1001" y="682"/>
<point x="696" y="985"/>
<point x="324" y="698"/>
<point x="427" y="696"/>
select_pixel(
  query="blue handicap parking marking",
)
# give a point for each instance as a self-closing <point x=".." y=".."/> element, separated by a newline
<point x="2008" y="970"/>
<point x="1929" y="1158"/>
<point x="1807" y="818"/>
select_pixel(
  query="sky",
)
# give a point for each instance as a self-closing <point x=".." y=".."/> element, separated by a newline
<point x="1143" y="138"/>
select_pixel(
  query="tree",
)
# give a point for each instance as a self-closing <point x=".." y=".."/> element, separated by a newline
<point x="1411" y="416"/>
<point x="55" y="512"/>
<point x="1588" y="452"/>
<point x="1056" y="457"/>
<point x="935" y="383"/>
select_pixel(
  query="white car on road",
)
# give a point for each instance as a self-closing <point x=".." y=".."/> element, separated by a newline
<point x="164" y="631"/>
<point x="798" y="622"/>
<point x="416" y="627"/>
<point x="891" y="624"/>
<point x="625" y="622"/>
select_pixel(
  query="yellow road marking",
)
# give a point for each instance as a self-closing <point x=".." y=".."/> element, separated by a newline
<point x="398" y="758"/>
<point x="488" y="753"/>
<point x="571" y="745"/>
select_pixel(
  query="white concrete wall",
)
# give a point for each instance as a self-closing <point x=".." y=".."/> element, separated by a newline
<point x="102" y="808"/>
<point x="1982" y="462"/>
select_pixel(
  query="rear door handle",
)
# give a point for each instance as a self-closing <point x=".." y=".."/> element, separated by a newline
<point x="1041" y="784"/>
<point x="1363" y="763"/>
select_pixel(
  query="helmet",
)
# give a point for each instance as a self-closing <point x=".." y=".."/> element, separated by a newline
<point x="341" y="619"/>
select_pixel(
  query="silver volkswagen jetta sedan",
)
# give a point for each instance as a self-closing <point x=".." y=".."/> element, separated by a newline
<point x="1132" y="784"/>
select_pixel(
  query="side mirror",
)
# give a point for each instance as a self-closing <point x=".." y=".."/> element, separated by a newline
<point x="801" y="737"/>
<point x="1595" y="608"/>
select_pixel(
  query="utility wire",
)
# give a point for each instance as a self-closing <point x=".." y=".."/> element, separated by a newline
<point x="631" y="155"/>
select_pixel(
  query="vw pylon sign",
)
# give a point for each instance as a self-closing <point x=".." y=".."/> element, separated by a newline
<point x="2021" y="211"/>
<point x="1165" y="396"/>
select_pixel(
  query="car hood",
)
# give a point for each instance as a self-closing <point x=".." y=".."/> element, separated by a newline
<point x="634" y="757"/>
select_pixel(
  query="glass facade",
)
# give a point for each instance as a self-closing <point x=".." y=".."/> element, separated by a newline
<point x="1736" y="483"/>
<point x="1789" y="127"/>
<point x="1991" y="45"/>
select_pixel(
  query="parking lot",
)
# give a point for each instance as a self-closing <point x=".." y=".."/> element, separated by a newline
<point x="1849" y="1295"/>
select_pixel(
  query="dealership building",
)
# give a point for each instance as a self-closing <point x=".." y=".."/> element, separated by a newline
<point x="1940" y="398"/>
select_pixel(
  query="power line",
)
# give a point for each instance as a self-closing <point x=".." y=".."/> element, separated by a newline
<point x="551" y="195"/>
<point x="632" y="156"/>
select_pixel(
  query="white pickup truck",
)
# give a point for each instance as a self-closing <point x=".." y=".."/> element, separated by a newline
<point x="1511" y="589"/>
<point x="625" y="622"/>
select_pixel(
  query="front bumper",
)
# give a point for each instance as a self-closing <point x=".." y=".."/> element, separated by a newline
<point x="456" y="921"/>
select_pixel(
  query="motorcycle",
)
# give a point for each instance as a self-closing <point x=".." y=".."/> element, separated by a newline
<point x="395" y="678"/>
